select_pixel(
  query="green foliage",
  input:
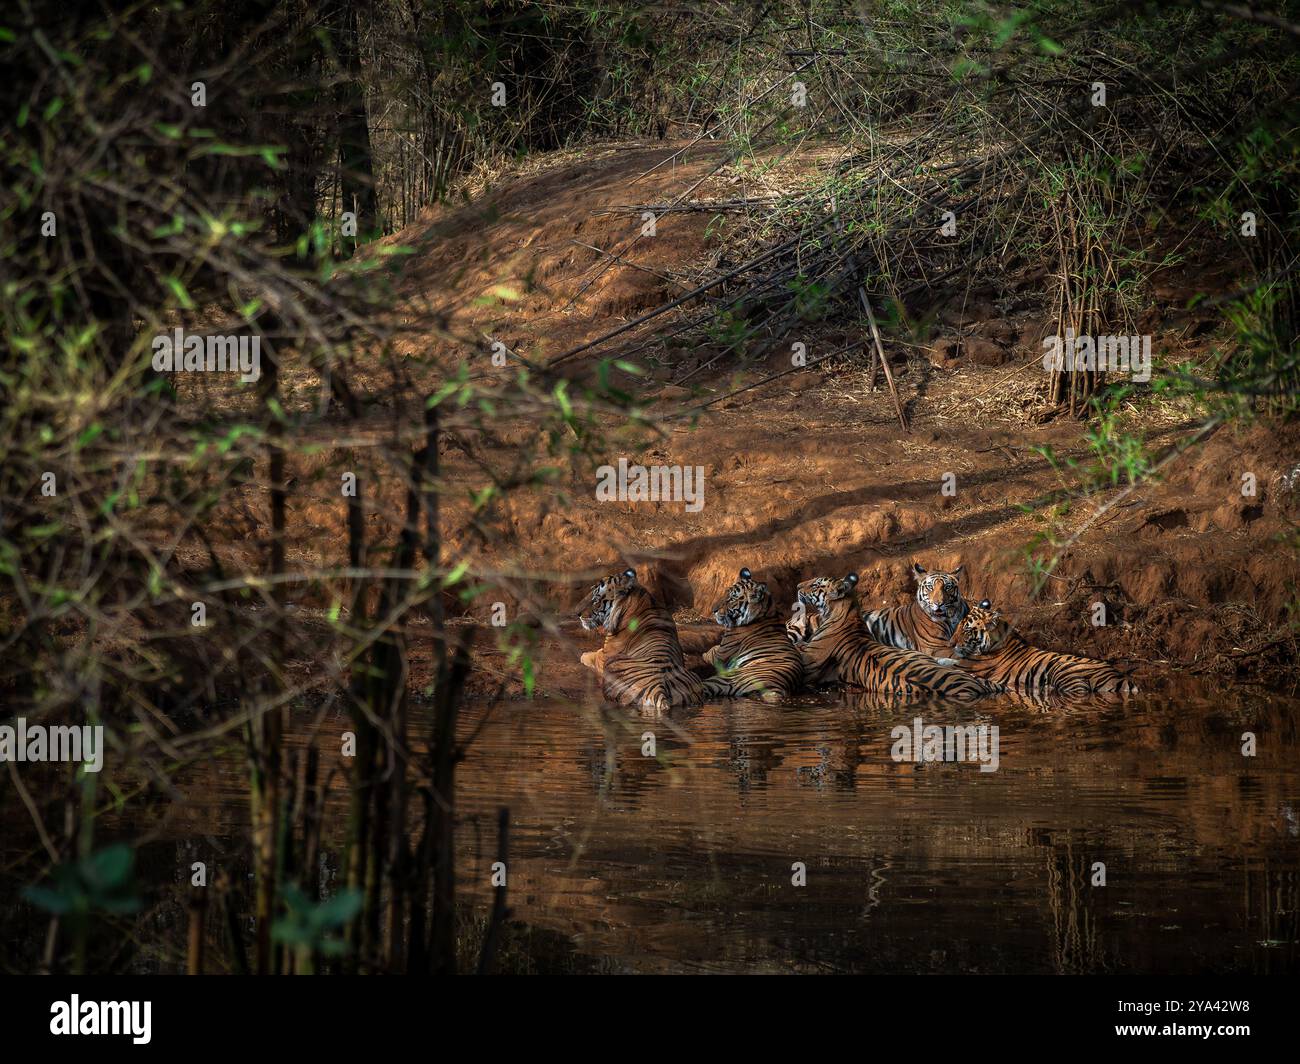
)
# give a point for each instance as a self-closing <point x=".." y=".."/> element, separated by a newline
<point x="729" y="329"/>
<point x="1265" y="367"/>
<point x="104" y="882"/>
<point x="1120" y="457"/>
<point x="811" y="298"/>
<point x="315" y="927"/>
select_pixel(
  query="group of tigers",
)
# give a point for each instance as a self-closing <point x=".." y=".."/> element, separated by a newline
<point x="937" y="644"/>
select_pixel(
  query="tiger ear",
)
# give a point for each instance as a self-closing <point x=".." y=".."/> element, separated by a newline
<point x="917" y="570"/>
<point x="630" y="574"/>
<point x="851" y="579"/>
<point x="957" y="571"/>
<point x="985" y="604"/>
<point x="744" y="574"/>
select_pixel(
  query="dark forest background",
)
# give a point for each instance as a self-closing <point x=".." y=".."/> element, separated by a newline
<point x="228" y="165"/>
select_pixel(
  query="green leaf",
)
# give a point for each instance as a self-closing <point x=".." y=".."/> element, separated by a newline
<point x="52" y="901"/>
<point x="180" y="292"/>
<point x="450" y="388"/>
<point x="561" y="394"/>
<point x="339" y="909"/>
<point x="110" y="868"/>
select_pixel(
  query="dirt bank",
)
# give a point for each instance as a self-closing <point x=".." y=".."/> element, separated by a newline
<point x="811" y="473"/>
<point x="1193" y="577"/>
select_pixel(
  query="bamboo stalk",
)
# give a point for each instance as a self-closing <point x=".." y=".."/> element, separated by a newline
<point x="264" y="729"/>
<point x="198" y="910"/>
<point x="500" y="913"/>
<point x="442" y="943"/>
<point x="884" y="362"/>
<point x="230" y="911"/>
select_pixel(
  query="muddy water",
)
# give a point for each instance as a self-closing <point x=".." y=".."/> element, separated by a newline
<point x="682" y="861"/>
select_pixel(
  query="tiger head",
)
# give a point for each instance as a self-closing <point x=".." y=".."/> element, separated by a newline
<point x="981" y="631"/>
<point x="745" y="602"/>
<point x="937" y="593"/>
<point x="820" y="592"/>
<point x="609" y="601"/>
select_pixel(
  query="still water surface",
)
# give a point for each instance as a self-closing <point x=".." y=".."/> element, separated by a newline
<point x="682" y="861"/>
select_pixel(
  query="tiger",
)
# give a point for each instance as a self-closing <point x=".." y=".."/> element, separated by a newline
<point x="927" y="622"/>
<point x="839" y="647"/>
<point x="755" y="657"/>
<point x="641" y="661"/>
<point x="987" y="646"/>
<point x="799" y="628"/>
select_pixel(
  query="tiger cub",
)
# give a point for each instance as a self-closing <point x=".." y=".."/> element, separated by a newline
<point x="839" y="647"/>
<point x="927" y="622"/>
<point x="987" y="646"/>
<point x="755" y="657"/>
<point x="640" y="663"/>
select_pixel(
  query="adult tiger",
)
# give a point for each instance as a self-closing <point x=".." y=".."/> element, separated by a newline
<point x="841" y="648"/>
<point x="988" y="647"/>
<point x="641" y="660"/>
<point x="800" y="625"/>
<point x="755" y="657"/>
<point x="925" y="623"/>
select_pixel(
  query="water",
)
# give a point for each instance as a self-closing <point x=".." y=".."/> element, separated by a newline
<point x="683" y="861"/>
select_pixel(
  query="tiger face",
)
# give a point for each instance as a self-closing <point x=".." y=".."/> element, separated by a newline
<point x="937" y="593"/>
<point x="818" y="593"/>
<point x="608" y="599"/>
<point x="745" y="602"/>
<point x="981" y="631"/>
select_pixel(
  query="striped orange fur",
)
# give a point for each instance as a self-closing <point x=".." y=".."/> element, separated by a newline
<point x="927" y="621"/>
<point x="641" y="661"/>
<point x="987" y="646"/>
<point x="841" y="648"/>
<point x="755" y="658"/>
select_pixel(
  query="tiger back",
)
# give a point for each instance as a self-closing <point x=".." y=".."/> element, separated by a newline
<point x="986" y="645"/>
<point x="927" y="621"/>
<point x="641" y="662"/>
<point x="755" y="658"/>
<point x="841" y="648"/>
